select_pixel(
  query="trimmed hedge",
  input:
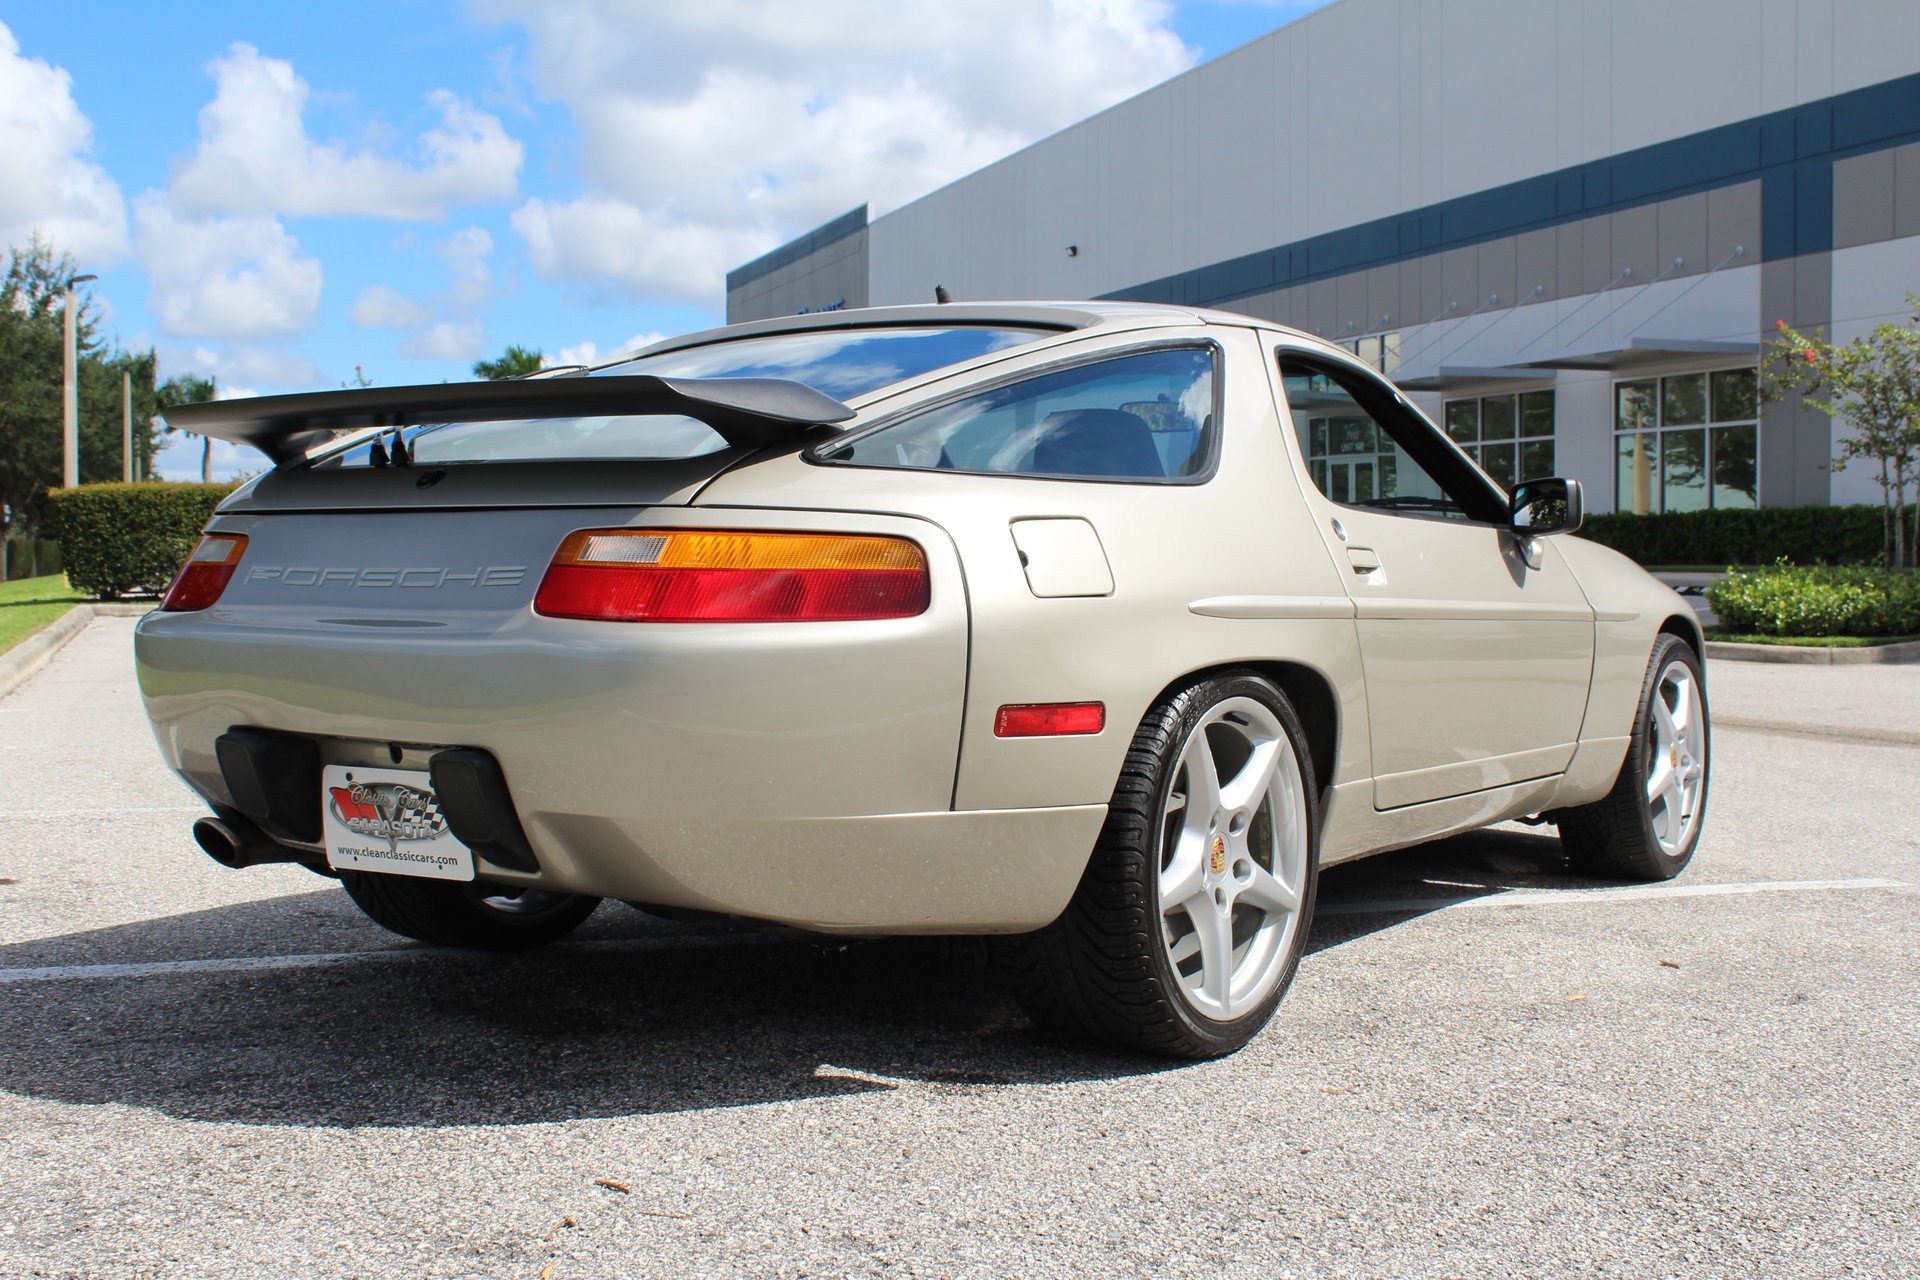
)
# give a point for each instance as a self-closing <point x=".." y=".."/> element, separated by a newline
<point x="123" y="539"/>
<point x="1804" y="535"/>
<point x="1812" y="600"/>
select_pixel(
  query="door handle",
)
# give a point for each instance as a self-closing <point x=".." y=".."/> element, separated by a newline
<point x="1362" y="559"/>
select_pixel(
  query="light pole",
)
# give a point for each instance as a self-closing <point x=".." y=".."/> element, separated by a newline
<point x="126" y="426"/>
<point x="71" y="400"/>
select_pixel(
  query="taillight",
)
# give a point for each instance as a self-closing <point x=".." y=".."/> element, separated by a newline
<point x="693" y="575"/>
<point x="206" y="573"/>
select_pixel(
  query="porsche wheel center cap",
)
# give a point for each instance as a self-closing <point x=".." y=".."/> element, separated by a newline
<point x="1217" y="862"/>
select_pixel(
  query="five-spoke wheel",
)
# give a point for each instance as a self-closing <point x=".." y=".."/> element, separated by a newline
<point x="1646" y="827"/>
<point x="1190" y="920"/>
<point x="1233" y="858"/>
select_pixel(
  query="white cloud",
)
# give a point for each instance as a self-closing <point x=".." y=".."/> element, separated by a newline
<point x="48" y="185"/>
<point x="382" y="307"/>
<point x="578" y="353"/>
<point x="445" y="340"/>
<point x="442" y="327"/>
<point x="230" y="277"/>
<point x="256" y="157"/>
<point x="242" y="364"/>
<point x="590" y="352"/>
<point x="466" y="252"/>
<point x="711" y="132"/>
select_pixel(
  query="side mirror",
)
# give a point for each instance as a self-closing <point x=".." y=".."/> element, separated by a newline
<point x="1546" y="506"/>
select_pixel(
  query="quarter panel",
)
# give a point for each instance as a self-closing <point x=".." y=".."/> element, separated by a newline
<point x="1243" y="533"/>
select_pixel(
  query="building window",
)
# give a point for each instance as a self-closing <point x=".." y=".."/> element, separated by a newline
<point x="1380" y="351"/>
<point x="1688" y="442"/>
<point x="1511" y="436"/>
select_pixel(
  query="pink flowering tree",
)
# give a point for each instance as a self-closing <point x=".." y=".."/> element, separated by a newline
<point x="1872" y="386"/>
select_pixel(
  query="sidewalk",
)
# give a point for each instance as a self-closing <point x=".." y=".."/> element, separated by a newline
<point x="1875" y="703"/>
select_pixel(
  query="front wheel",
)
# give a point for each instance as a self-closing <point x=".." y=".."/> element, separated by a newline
<point x="1192" y="915"/>
<point x="1648" y="826"/>
<point x="474" y="916"/>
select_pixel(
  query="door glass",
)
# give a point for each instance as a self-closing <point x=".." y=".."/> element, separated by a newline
<point x="1356" y="460"/>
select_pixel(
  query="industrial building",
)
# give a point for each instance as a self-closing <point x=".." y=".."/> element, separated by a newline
<point x="1566" y="227"/>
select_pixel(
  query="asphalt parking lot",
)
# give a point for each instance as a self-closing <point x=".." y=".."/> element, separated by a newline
<point x="1486" y="1068"/>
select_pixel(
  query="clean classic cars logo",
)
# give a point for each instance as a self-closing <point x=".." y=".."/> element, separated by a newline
<point x="497" y="575"/>
<point x="388" y="809"/>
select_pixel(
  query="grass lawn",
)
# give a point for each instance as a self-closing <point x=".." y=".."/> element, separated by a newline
<point x="30" y="604"/>
<point x="1807" y="642"/>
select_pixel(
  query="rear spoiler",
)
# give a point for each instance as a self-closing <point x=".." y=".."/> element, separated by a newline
<point x="744" y="411"/>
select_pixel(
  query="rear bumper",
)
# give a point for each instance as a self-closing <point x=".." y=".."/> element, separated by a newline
<point x="802" y="773"/>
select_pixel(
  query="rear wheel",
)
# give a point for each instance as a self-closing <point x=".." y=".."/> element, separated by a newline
<point x="476" y="916"/>
<point x="1647" y="827"/>
<point x="1191" y="917"/>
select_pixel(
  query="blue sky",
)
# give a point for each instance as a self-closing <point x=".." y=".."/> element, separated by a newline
<point x="275" y="194"/>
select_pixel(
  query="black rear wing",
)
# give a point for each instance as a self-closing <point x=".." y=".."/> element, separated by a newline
<point x="744" y="411"/>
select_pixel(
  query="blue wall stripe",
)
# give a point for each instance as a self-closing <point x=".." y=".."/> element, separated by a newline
<point x="813" y="242"/>
<point x="1791" y="152"/>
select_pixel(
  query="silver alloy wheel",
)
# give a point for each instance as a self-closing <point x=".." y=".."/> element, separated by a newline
<point x="1233" y="859"/>
<point x="1676" y="757"/>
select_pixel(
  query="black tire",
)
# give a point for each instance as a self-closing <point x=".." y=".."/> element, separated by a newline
<point x="1103" y="969"/>
<point x="474" y="916"/>
<point x="1614" y="837"/>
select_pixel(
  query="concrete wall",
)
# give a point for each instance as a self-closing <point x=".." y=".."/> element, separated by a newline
<point x="1496" y="181"/>
<point x="1365" y="109"/>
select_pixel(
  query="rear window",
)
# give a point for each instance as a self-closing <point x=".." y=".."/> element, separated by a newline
<point x="843" y="363"/>
<point x="1147" y="416"/>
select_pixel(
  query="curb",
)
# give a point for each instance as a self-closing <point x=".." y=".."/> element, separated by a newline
<point x="22" y="661"/>
<point x="1810" y="655"/>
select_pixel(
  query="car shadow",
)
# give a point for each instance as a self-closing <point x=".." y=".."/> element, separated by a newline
<point x="636" y="1015"/>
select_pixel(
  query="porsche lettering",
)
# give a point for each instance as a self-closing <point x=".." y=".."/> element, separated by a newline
<point x="499" y="575"/>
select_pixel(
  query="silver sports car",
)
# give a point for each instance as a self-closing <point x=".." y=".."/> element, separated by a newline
<point x="1099" y="626"/>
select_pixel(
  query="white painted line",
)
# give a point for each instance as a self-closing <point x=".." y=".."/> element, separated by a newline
<point x="1576" y="897"/>
<point x="142" y="810"/>
<point x="1398" y="906"/>
<point x="316" y="959"/>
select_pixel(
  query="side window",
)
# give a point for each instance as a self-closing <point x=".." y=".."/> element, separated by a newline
<point x="1363" y="451"/>
<point x="1146" y="417"/>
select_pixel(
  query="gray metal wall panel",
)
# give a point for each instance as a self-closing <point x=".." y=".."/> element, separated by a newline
<point x="1682" y="233"/>
<point x="1906" y="190"/>
<point x="1863" y="199"/>
<point x="1733" y="222"/>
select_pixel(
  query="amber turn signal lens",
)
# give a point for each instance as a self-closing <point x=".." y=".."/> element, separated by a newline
<point x="700" y="575"/>
<point x="206" y="573"/>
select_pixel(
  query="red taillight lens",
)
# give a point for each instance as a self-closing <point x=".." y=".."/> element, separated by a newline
<point x="206" y="573"/>
<point x="687" y="575"/>
<point x="1050" y="719"/>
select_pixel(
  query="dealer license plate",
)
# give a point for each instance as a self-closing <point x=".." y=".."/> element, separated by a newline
<point x="389" y="821"/>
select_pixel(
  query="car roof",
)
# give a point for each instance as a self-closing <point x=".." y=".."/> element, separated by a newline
<point x="1086" y="317"/>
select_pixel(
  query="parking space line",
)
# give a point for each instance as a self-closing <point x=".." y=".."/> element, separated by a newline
<point x="310" y="960"/>
<point x="1394" y="906"/>
<point x="1576" y="897"/>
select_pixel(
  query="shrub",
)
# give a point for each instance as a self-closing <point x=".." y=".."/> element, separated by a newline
<point x="119" y="539"/>
<point x="1804" y="535"/>
<point x="1789" y="600"/>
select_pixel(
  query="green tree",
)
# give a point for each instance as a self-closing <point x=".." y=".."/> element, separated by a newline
<point x="32" y="444"/>
<point x="515" y="362"/>
<point x="1871" y="384"/>
<point x="185" y="388"/>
